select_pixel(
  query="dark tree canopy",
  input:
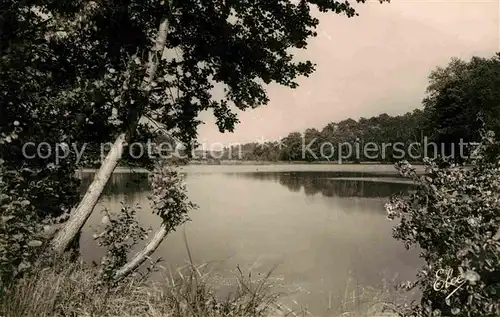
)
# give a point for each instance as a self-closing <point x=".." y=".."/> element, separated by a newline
<point x="73" y="72"/>
<point x="463" y="98"/>
<point x="73" y="78"/>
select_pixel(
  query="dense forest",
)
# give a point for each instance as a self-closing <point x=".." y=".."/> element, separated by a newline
<point x="355" y="134"/>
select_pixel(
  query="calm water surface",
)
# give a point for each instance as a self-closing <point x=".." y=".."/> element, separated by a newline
<point x="320" y="226"/>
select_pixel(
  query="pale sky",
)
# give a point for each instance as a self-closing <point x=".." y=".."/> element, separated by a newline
<point x="374" y="63"/>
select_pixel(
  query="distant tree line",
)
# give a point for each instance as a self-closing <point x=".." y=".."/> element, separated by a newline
<point x="461" y="99"/>
<point x="346" y="138"/>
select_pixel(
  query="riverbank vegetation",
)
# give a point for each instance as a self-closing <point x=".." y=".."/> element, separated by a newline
<point x="74" y="289"/>
<point x="453" y="218"/>
<point x="455" y="107"/>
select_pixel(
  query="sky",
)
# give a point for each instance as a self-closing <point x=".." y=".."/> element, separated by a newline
<point x="377" y="62"/>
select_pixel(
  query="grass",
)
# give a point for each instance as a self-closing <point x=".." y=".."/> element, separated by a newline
<point x="74" y="289"/>
<point x="359" y="301"/>
<point x="68" y="288"/>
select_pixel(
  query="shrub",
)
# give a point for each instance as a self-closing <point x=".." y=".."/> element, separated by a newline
<point x="121" y="233"/>
<point x="24" y="221"/>
<point x="453" y="218"/>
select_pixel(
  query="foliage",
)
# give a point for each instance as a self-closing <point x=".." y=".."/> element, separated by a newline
<point x="293" y="146"/>
<point x="453" y="218"/>
<point x="307" y="146"/>
<point x="121" y="233"/>
<point x="24" y="229"/>
<point x="87" y="67"/>
<point x="169" y="195"/>
<point x="72" y="73"/>
<point x="73" y="289"/>
<point x="462" y="98"/>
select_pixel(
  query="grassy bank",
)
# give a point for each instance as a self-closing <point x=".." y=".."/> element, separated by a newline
<point x="74" y="289"/>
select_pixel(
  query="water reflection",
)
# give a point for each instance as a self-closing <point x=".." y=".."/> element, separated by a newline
<point x="335" y="184"/>
<point x="130" y="185"/>
<point x="330" y="184"/>
<point x="321" y="227"/>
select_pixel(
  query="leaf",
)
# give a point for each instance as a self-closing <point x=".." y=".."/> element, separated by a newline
<point x="7" y="218"/>
<point x="472" y="277"/>
<point x="105" y="220"/>
<point x="35" y="243"/>
<point x="23" y="266"/>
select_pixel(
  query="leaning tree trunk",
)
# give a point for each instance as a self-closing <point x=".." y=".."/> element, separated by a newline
<point x="144" y="254"/>
<point x="79" y="216"/>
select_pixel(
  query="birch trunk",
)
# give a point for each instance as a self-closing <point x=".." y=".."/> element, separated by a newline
<point x="141" y="256"/>
<point x="79" y="216"/>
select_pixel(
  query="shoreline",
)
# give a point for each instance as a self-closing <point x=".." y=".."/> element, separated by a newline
<point x="387" y="168"/>
<point x="127" y="169"/>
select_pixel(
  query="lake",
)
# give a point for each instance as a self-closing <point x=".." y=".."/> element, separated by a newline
<point x="321" y="226"/>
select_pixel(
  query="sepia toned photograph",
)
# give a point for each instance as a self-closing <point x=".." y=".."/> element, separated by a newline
<point x="250" y="158"/>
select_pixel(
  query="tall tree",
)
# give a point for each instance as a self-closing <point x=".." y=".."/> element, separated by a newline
<point x="92" y="69"/>
<point x="293" y="146"/>
<point x="462" y="98"/>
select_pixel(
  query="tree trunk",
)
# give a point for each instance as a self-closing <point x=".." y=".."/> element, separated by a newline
<point x="84" y="209"/>
<point x="141" y="256"/>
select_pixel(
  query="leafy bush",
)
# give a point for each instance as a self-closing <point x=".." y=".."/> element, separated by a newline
<point x="121" y="233"/>
<point x="34" y="195"/>
<point x="168" y="196"/>
<point x="122" y="230"/>
<point x="453" y="218"/>
<point x="27" y="216"/>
